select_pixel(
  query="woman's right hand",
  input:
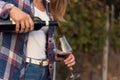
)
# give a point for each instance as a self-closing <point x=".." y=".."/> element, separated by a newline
<point x="23" y="21"/>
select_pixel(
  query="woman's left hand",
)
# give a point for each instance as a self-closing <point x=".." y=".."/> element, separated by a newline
<point x="70" y="61"/>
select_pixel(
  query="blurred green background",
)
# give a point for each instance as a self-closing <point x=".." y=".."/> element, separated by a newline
<point x="85" y="29"/>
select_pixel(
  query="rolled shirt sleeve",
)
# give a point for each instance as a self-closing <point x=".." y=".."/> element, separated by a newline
<point x="5" y="7"/>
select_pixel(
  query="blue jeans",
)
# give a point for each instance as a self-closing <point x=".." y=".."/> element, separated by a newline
<point x="35" y="72"/>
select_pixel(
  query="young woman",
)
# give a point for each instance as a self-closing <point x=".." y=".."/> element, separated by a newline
<point x="25" y="50"/>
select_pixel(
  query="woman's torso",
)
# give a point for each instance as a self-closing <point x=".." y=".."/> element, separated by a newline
<point x="36" y="47"/>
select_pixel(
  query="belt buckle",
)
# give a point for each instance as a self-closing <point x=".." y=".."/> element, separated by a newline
<point x="42" y="63"/>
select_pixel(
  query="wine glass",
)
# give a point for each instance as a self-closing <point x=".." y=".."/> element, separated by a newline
<point x="66" y="50"/>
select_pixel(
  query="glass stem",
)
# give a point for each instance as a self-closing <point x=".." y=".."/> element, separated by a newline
<point x="72" y="75"/>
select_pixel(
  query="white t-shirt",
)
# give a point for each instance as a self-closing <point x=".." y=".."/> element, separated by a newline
<point x="36" y="47"/>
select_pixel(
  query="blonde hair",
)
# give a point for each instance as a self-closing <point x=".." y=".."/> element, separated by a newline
<point x="58" y="8"/>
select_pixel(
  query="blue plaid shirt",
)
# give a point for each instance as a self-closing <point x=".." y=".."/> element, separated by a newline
<point x="13" y="49"/>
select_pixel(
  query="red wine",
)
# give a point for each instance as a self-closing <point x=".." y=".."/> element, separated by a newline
<point x="63" y="55"/>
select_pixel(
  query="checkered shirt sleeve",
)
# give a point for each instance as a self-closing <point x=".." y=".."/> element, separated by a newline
<point x="5" y="8"/>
